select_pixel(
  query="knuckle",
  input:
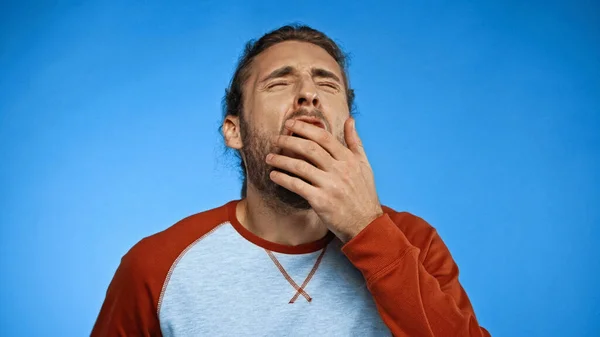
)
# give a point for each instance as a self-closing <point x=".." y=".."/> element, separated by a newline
<point x="317" y="201"/>
<point x="297" y="184"/>
<point x="336" y="191"/>
<point x="300" y="165"/>
<point x="342" y="168"/>
<point x="324" y="137"/>
<point x="312" y="147"/>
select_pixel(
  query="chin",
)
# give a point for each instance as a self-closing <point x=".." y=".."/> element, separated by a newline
<point x="289" y="199"/>
<point x="292" y="200"/>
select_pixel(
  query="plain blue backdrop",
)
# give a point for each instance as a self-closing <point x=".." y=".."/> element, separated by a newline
<point x="484" y="119"/>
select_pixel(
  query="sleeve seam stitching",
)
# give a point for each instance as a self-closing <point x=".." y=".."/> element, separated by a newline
<point x="387" y="268"/>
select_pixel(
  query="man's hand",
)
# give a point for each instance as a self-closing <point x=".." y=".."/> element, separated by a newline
<point x="342" y="188"/>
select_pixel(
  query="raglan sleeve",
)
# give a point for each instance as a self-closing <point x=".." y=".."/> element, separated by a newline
<point x="416" y="289"/>
<point x="129" y="307"/>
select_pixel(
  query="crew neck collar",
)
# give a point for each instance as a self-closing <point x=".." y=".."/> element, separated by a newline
<point x="304" y="248"/>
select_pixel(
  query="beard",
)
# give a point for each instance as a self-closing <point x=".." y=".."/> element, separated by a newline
<point x="257" y="144"/>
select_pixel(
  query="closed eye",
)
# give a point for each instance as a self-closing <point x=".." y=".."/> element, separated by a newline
<point x="329" y="85"/>
<point x="276" y="84"/>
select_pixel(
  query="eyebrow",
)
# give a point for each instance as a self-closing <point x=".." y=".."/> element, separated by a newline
<point x="279" y="72"/>
<point x="320" y="72"/>
<point x="289" y="70"/>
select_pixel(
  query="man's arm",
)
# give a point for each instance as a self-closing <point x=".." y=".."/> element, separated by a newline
<point x="416" y="290"/>
<point x="129" y="308"/>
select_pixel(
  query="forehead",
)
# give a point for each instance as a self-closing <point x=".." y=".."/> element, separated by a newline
<point x="300" y="55"/>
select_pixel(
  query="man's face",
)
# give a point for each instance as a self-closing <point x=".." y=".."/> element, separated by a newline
<point x="290" y="80"/>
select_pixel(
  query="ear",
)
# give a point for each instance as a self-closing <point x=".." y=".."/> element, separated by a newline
<point x="232" y="132"/>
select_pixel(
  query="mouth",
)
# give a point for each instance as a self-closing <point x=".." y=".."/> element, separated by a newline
<point x="310" y="120"/>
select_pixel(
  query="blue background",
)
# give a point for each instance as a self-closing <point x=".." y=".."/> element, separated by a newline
<point x="482" y="118"/>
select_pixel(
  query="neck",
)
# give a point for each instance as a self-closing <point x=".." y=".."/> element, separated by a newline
<point x="286" y="227"/>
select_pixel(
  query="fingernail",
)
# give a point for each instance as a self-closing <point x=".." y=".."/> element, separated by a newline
<point x="290" y="123"/>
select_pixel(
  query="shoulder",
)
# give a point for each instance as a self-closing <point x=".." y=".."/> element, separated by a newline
<point x="133" y="296"/>
<point x="154" y="255"/>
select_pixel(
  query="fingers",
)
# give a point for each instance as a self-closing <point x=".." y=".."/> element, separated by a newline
<point x="294" y="184"/>
<point x="352" y="139"/>
<point x="307" y="148"/>
<point x="300" y="168"/>
<point x="319" y="136"/>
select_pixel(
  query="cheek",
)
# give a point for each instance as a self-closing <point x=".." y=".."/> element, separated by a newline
<point x="337" y="111"/>
<point x="341" y="106"/>
<point x="268" y="112"/>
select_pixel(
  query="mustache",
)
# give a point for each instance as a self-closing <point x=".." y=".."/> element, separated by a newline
<point x="304" y="112"/>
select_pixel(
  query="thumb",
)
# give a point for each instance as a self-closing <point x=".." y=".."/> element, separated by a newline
<point x="352" y="139"/>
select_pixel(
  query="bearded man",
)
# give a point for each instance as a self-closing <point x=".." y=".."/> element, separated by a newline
<point x="308" y="250"/>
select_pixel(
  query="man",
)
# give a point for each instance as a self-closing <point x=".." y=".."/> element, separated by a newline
<point x="308" y="250"/>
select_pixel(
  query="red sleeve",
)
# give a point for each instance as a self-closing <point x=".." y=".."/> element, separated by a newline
<point x="128" y="309"/>
<point x="415" y="285"/>
<point x="132" y="301"/>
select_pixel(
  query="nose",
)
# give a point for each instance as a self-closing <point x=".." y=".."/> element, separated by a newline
<point x="307" y="95"/>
